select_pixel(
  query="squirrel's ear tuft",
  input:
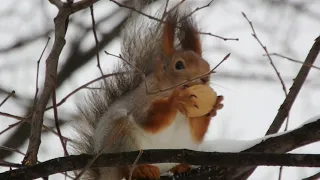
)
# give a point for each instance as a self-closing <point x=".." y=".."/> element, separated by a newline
<point x="168" y="35"/>
<point x="189" y="38"/>
<point x="159" y="69"/>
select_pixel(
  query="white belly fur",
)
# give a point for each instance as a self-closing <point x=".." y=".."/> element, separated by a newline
<point x="176" y="136"/>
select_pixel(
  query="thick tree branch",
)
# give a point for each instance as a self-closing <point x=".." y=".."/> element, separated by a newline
<point x="295" y="89"/>
<point x="82" y="5"/>
<point x="260" y="154"/>
<point x="163" y="156"/>
<point x="61" y="25"/>
<point x="60" y="22"/>
<point x="285" y="142"/>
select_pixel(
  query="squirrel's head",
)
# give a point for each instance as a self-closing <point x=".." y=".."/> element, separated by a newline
<point x="184" y="64"/>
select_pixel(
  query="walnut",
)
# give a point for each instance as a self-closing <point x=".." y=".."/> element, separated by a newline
<point x="205" y="98"/>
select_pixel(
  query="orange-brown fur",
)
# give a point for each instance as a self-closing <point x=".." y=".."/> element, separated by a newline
<point x="142" y="171"/>
<point x="191" y="40"/>
<point x="181" y="168"/>
<point x="146" y="171"/>
<point x="168" y="37"/>
<point x="160" y="115"/>
<point x="199" y="127"/>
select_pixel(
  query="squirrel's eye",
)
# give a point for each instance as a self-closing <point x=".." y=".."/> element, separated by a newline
<point x="179" y="65"/>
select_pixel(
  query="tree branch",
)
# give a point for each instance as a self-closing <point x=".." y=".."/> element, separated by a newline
<point x="82" y="5"/>
<point x="313" y="177"/>
<point x="163" y="156"/>
<point x="60" y="21"/>
<point x="268" y="153"/>
<point x="61" y="25"/>
<point x="295" y="88"/>
<point x="284" y="142"/>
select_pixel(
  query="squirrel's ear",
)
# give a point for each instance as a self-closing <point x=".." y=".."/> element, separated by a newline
<point x="159" y="68"/>
<point x="190" y="39"/>
<point x="168" y="35"/>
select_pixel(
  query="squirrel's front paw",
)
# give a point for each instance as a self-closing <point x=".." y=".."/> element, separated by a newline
<point x="146" y="171"/>
<point x="182" y="98"/>
<point x="218" y="105"/>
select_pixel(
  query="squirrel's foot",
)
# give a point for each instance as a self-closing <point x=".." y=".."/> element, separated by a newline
<point x="146" y="171"/>
<point x="182" y="98"/>
<point x="216" y="107"/>
<point x="180" y="168"/>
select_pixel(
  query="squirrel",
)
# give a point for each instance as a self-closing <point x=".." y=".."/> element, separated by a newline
<point x="127" y="115"/>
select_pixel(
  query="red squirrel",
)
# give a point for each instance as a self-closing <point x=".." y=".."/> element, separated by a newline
<point x="130" y="115"/>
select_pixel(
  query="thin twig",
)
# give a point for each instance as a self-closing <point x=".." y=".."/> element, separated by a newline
<point x="134" y="164"/>
<point x="162" y="21"/>
<point x="26" y="119"/>
<point x="197" y="9"/>
<point x="37" y="78"/>
<point x="12" y="150"/>
<point x="96" y="39"/>
<point x="9" y="164"/>
<point x="293" y="60"/>
<point x="134" y="9"/>
<point x="83" y="86"/>
<point x="133" y="66"/>
<point x="266" y="51"/>
<point x="175" y="6"/>
<point x="55" y="113"/>
<point x="219" y="37"/>
<point x="93" y="88"/>
<point x="165" y="10"/>
<point x="10" y="127"/>
<point x="52" y="131"/>
<point x="5" y="99"/>
<point x="280" y="173"/>
<point x="12" y="116"/>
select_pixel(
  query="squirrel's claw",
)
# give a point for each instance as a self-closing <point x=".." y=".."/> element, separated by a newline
<point x="216" y="107"/>
<point x="182" y="98"/>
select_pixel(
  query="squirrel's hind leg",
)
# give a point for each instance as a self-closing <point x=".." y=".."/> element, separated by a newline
<point x="144" y="171"/>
